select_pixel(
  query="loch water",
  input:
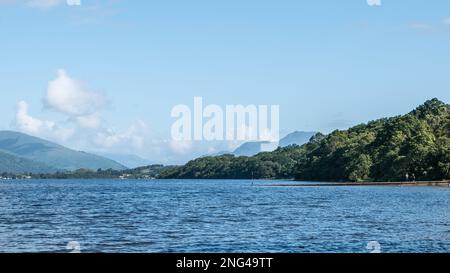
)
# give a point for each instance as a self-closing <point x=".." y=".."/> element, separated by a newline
<point x="219" y="216"/>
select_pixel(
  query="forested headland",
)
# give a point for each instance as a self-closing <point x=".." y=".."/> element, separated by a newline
<point x="412" y="146"/>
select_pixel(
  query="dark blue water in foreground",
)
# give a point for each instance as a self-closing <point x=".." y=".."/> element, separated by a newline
<point x="219" y="216"/>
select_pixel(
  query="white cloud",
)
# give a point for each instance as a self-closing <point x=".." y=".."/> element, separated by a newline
<point x="374" y="2"/>
<point x="447" y="21"/>
<point x="25" y="122"/>
<point x="78" y="123"/>
<point x="61" y="134"/>
<point x="92" y="121"/>
<point x="68" y="96"/>
<point x="81" y="109"/>
<point x="82" y="126"/>
<point x="133" y="137"/>
<point x="31" y="125"/>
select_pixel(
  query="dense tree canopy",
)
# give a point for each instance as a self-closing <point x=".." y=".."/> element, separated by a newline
<point x="415" y="145"/>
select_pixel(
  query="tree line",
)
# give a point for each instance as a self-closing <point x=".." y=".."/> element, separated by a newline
<point x="412" y="146"/>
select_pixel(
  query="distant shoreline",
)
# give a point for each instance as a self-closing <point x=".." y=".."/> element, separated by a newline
<point x="445" y="183"/>
<point x="293" y="183"/>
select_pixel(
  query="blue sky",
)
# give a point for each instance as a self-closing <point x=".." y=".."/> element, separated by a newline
<point x="328" y="64"/>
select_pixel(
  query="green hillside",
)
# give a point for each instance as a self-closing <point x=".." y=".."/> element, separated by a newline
<point x="417" y="144"/>
<point x="15" y="165"/>
<point x="51" y="154"/>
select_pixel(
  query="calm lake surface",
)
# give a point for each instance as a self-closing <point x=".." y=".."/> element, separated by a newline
<point x="219" y="216"/>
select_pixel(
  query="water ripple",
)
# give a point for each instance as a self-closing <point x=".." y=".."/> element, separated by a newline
<point x="219" y="216"/>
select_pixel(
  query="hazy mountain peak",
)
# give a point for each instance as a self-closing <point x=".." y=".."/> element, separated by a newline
<point x="256" y="147"/>
<point x="296" y="138"/>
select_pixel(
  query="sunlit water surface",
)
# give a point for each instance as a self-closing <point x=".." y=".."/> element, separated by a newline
<point x="219" y="216"/>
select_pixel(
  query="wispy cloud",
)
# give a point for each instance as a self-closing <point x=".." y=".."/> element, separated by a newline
<point x="83" y="123"/>
<point x="96" y="12"/>
<point x="426" y="27"/>
<point x="81" y="109"/>
<point x="373" y="3"/>
<point x="44" y="3"/>
<point x="35" y="126"/>
<point x="41" y="4"/>
<point x="421" y="26"/>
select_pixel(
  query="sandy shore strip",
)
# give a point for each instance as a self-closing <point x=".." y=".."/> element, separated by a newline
<point x="367" y="184"/>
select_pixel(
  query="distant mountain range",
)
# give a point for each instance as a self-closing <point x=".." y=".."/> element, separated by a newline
<point x="296" y="138"/>
<point x="20" y="153"/>
<point x="128" y="160"/>
<point x="254" y="148"/>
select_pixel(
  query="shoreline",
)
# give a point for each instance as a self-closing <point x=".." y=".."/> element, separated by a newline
<point x="292" y="183"/>
<point x="445" y="183"/>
